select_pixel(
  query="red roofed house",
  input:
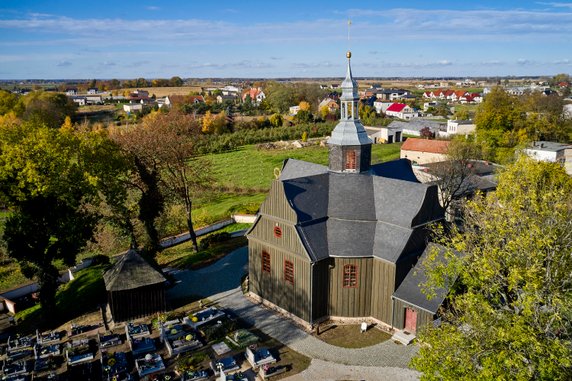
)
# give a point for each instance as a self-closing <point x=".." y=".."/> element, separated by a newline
<point x="400" y="110"/>
<point x="256" y="95"/>
<point x="422" y="151"/>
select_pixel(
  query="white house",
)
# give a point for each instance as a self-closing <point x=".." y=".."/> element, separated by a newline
<point x="80" y="101"/>
<point x="460" y="127"/>
<point x="133" y="107"/>
<point x="92" y="90"/>
<point x="547" y="151"/>
<point x="381" y="106"/>
<point x="163" y="102"/>
<point x="293" y="110"/>
<point x="388" y="135"/>
<point x="400" y="110"/>
<point x="94" y="100"/>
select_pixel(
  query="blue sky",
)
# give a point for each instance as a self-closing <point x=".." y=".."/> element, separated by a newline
<point x="269" y="39"/>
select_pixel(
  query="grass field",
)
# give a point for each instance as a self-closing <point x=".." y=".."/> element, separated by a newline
<point x="250" y="168"/>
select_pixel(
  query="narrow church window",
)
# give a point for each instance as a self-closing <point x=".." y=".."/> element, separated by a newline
<point x="277" y="232"/>
<point x="350" y="276"/>
<point x="265" y="262"/>
<point x="289" y="272"/>
<point x="350" y="159"/>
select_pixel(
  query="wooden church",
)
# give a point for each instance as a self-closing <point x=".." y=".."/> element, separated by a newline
<point x="342" y="241"/>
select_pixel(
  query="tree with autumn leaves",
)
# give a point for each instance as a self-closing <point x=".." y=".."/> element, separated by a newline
<point x="160" y="149"/>
<point x="53" y="182"/>
<point x="509" y="313"/>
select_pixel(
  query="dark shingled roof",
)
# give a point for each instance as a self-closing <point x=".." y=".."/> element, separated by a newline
<point x="350" y="238"/>
<point x="396" y="169"/>
<point x="293" y="168"/>
<point x="409" y="290"/>
<point x="360" y="214"/>
<point x="131" y="271"/>
<point x="308" y="196"/>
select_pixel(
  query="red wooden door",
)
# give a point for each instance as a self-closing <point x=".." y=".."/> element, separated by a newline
<point x="410" y="320"/>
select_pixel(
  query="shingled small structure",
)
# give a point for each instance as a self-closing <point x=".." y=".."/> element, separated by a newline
<point x="134" y="288"/>
<point x="338" y="241"/>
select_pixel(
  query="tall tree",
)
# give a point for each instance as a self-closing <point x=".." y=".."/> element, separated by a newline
<point x="50" y="109"/>
<point x="454" y="176"/>
<point x="139" y="145"/>
<point x="48" y="182"/>
<point x="509" y="315"/>
<point x="176" y="134"/>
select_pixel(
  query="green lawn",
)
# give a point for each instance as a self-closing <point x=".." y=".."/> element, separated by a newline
<point x="74" y="299"/>
<point x="250" y="168"/>
<point x="183" y="255"/>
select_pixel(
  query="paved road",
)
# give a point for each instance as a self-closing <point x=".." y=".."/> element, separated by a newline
<point x="222" y="275"/>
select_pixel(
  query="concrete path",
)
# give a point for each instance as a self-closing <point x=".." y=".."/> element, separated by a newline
<point x="386" y="354"/>
<point x="320" y="370"/>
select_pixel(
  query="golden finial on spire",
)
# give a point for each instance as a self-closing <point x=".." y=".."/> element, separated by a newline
<point x="349" y="53"/>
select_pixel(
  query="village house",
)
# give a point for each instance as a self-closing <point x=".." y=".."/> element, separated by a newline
<point x="341" y="241"/>
<point x="414" y="126"/>
<point x="132" y="107"/>
<point x="552" y="152"/>
<point x="422" y="151"/>
<point x="256" y="95"/>
<point x="331" y="104"/>
<point x="401" y="111"/>
<point x="387" y="135"/>
<point x="92" y="91"/>
<point x="459" y="127"/>
<point x="163" y="102"/>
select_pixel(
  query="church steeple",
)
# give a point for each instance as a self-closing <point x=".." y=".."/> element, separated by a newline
<point x="350" y="147"/>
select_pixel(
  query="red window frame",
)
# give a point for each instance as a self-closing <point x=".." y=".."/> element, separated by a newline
<point x="350" y="276"/>
<point x="289" y="272"/>
<point x="265" y="262"/>
<point x="350" y="160"/>
<point x="277" y="232"/>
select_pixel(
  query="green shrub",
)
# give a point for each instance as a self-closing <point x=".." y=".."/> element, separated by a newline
<point x="214" y="238"/>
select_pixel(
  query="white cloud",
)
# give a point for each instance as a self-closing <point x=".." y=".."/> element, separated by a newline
<point x="152" y="8"/>
<point x="557" y="5"/>
<point x="64" y="63"/>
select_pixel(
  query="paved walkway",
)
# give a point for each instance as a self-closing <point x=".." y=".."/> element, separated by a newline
<point x="320" y="370"/>
<point x="386" y="354"/>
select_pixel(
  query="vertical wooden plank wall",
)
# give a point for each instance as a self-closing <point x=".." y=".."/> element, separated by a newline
<point x="383" y="287"/>
<point x="351" y="301"/>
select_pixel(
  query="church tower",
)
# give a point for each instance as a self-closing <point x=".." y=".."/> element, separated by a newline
<point x="350" y="147"/>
